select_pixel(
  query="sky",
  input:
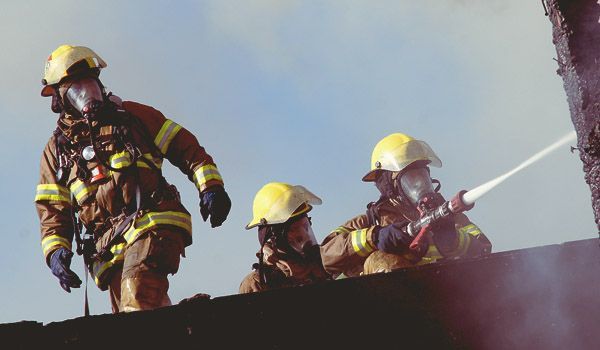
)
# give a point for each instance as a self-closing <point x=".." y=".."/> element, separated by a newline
<point x="298" y="92"/>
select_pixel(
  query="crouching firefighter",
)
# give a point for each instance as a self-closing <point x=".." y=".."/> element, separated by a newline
<point x="289" y="254"/>
<point x="380" y="240"/>
<point x="101" y="170"/>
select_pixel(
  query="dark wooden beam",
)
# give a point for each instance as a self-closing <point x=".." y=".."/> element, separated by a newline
<point x="576" y="35"/>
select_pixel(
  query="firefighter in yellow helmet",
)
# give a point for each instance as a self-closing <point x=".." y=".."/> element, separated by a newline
<point x="289" y="254"/>
<point x="101" y="173"/>
<point x="378" y="241"/>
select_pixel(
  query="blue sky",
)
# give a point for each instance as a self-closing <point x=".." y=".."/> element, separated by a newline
<point x="299" y="92"/>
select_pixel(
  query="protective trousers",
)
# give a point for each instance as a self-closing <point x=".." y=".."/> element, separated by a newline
<point x="141" y="283"/>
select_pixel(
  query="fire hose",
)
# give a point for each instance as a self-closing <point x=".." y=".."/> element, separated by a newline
<point x="465" y="200"/>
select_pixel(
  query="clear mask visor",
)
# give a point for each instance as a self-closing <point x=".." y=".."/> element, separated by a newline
<point x="301" y="237"/>
<point x="83" y="94"/>
<point x="416" y="183"/>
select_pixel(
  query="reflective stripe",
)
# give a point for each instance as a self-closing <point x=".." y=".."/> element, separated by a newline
<point x="464" y="236"/>
<point x="464" y="241"/>
<point x="143" y="224"/>
<point x="99" y="267"/>
<point x="360" y="244"/>
<point x="51" y="242"/>
<point x="123" y="159"/>
<point x="156" y="161"/>
<point x="341" y="230"/>
<point x="52" y="192"/>
<point x="432" y="255"/>
<point x="166" y="134"/>
<point x="463" y="244"/>
<point x="470" y="229"/>
<point x="153" y="219"/>
<point x="206" y="173"/>
<point x="120" y="160"/>
<point x="81" y="190"/>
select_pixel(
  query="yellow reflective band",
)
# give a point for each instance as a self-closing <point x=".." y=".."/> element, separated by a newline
<point x="100" y="267"/>
<point x="143" y="224"/>
<point x="166" y="134"/>
<point x="123" y="159"/>
<point x="432" y="255"/>
<point x="154" y="219"/>
<point x="52" y="192"/>
<point x="470" y="229"/>
<point x="120" y="160"/>
<point x="463" y="244"/>
<point x="80" y="190"/>
<point x="360" y="244"/>
<point x="341" y="230"/>
<point x="156" y="161"/>
<point x="206" y="173"/>
<point x="50" y="243"/>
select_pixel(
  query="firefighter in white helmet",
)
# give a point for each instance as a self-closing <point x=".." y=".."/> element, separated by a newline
<point x="289" y="254"/>
<point x="378" y="241"/>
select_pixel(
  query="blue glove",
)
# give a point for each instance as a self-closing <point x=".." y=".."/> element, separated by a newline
<point x="216" y="203"/>
<point x="60" y="262"/>
<point x="393" y="238"/>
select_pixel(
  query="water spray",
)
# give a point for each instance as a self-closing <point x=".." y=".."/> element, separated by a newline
<point x="465" y="200"/>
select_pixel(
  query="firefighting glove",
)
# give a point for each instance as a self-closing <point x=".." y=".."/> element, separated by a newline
<point x="420" y="244"/>
<point x="215" y="203"/>
<point x="60" y="262"/>
<point x="392" y="238"/>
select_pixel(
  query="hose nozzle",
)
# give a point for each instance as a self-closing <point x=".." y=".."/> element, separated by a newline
<point x="458" y="204"/>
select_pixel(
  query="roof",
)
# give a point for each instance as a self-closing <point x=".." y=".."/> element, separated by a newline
<point x="543" y="297"/>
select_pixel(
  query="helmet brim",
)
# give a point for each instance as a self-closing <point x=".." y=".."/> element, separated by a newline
<point x="371" y="175"/>
<point x="47" y="91"/>
<point x="303" y="210"/>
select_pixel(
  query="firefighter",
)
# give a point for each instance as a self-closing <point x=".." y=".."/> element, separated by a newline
<point x="378" y="241"/>
<point x="101" y="172"/>
<point x="289" y="254"/>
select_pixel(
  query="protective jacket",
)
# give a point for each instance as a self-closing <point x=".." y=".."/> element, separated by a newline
<point x="351" y="250"/>
<point x="281" y="272"/>
<point x="103" y="204"/>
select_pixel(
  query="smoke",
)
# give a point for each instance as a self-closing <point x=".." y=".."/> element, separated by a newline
<point x="541" y="299"/>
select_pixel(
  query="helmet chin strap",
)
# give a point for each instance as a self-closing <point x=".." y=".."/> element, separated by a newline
<point x="57" y="105"/>
<point x="387" y="186"/>
<point x="438" y="185"/>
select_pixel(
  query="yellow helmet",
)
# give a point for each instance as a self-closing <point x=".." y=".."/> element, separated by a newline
<point x="397" y="151"/>
<point x="277" y="202"/>
<point x="62" y="60"/>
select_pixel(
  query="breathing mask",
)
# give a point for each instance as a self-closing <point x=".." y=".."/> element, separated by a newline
<point x="300" y="236"/>
<point x="84" y="95"/>
<point x="416" y="184"/>
<point x="295" y="239"/>
<point x="412" y="186"/>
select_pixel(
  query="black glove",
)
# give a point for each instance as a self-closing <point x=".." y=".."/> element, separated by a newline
<point x="60" y="262"/>
<point x="216" y="203"/>
<point x="393" y="238"/>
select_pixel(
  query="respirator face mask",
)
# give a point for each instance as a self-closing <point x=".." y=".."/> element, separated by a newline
<point x="416" y="184"/>
<point x="84" y="95"/>
<point x="300" y="236"/>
